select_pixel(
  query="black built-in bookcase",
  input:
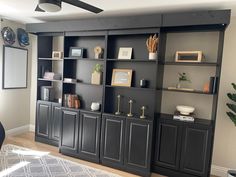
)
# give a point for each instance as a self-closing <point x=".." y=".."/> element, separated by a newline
<point x="158" y="143"/>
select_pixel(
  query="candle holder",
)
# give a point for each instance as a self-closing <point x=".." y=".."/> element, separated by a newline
<point x="130" y="108"/>
<point x="118" y="105"/>
<point x="142" y="116"/>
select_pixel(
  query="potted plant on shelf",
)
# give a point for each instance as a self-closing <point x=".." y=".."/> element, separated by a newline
<point x="97" y="74"/>
<point x="183" y="81"/>
<point x="151" y="44"/>
<point x="231" y="106"/>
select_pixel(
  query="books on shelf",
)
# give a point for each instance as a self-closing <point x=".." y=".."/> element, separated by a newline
<point x="181" y="117"/>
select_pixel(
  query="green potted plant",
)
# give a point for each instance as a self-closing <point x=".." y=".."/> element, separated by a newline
<point x="183" y="79"/>
<point x="97" y="74"/>
<point x="231" y="106"/>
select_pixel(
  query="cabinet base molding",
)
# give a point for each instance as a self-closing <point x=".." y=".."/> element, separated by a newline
<point x="169" y="172"/>
<point x="46" y="141"/>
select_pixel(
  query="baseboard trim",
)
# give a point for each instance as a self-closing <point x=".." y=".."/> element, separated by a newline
<point x="32" y="128"/>
<point x="219" y="171"/>
<point x="18" y="130"/>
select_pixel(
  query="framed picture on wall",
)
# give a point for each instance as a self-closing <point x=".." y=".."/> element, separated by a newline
<point x="121" y="77"/>
<point x="15" y="63"/>
<point x="125" y="53"/>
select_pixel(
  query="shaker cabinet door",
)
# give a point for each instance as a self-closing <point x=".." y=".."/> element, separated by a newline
<point x="69" y="130"/>
<point x="112" y="145"/>
<point x="55" y="121"/>
<point x="89" y="135"/>
<point x="43" y="119"/>
<point x="138" y="144"/>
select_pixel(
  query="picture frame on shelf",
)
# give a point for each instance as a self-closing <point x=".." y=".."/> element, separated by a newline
<point x="57" y="55"/>
<point x="125" y="53"/>
<point x="188" y="56"/>
<point x="76" y="52"/>
<point x="122" y="77"/>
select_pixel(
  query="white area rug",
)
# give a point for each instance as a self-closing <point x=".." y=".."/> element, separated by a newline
<point x="17" y="161"/>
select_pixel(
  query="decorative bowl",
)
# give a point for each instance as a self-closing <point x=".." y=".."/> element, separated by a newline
<point x="185" y="110"/>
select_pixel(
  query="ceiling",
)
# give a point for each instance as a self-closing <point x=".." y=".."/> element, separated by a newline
<point x="23" y="10"/>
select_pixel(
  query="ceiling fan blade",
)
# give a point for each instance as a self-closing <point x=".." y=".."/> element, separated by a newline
<point x="38" y="9"/>
<point x="83" y="5"/>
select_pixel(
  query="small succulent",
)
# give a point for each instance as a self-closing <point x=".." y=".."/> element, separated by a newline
<point x="232" y="107"/>
<point x="98" y="68"/>
<point x="183" y="77"/>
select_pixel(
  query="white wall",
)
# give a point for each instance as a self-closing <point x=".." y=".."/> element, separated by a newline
<point x="224" y="156"/>
<point x="14" y="103"/>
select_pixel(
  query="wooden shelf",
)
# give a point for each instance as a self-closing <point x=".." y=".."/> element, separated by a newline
<point x="49" y="80"/>
<point x="189" y="63"/>
<point x="85" y="59"/>
<point x="82" y="109"/>
<point x="133" y="88"/>
<point x="82" y="83"/>
<point x="52" y="59"/>
<point x="131" y="60"/>
<point x="186" y="91"/>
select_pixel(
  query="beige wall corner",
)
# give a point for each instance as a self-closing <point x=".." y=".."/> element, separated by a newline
<point x="224" y="154"/>
<point x="14" y="103"/>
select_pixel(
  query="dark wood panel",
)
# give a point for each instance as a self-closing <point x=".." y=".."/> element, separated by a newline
<point x="196" y="18"/>
<point x="138" y="144"/>
<point x="89" y="135"/>
<point x="43" y="119"/>
<point x="168" y="146"/>
<point x="195" y="151"/>
<point x="112" y="143"/>
<point x="69" y="130"/>
<point x="55" y="121"/>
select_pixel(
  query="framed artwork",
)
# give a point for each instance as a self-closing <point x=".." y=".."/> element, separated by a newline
<point x="125" y="53"/>
<point x="76" y="52"/>
<point x="188" y="56"/>
<point x="15" y="65"/>
<point x="121" y="77"/>
<point x="57" y="55"/>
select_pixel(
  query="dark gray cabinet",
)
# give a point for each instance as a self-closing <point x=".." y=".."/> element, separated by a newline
<point x="69" y="131"/>
<point x="48" y="122"/>
<point x="113" y="140"/>
<point x="168" y="145"/>
<point x="195" y="155"/>
<point x="89" y="135"/>
<point x="183" y="147"/>
<point x="138" y="145"/>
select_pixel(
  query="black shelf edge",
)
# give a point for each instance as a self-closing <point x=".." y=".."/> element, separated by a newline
<point x="185" y="91"/>
<point x="84" y="59"/>
<point x="49" y="80"/>
<point x="82" y="83"/>
<point x="189" y="63"/>
<point x="52" y="59"/>
<point x="82" y="109"/>
<point x="54" y="101"/>
<point x="131" y="60"/>
<point x="199" y="121"/>
<point x="136" y="117"/>
<point x="133" y="88"/>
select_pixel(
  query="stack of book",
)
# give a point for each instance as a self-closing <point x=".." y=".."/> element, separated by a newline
<point x="181" y="117"/>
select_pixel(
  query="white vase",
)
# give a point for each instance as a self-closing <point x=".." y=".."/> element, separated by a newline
<point x="96" y="78"/>
<point x="152" y="56"/>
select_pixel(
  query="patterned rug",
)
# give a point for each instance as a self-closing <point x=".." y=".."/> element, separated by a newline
<point x="17" y="161"/>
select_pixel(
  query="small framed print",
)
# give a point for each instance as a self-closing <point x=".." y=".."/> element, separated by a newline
<point x="125" y="53"/>
<point x="76" y="52"/>
<point x="57" y="54"/>
<point x="121" y="77"/>
<point x="188" y="56"/>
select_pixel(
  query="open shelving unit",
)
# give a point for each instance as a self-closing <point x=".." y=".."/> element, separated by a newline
<point x="157" y="143"/>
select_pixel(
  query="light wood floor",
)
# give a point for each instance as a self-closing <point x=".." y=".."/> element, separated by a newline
<point x="27" y="140"/>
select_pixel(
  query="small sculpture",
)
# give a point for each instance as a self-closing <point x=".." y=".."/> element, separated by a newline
<point x="98" y="52"/>
<point x="130" y="108"/>
<point x="118" y="105"/>
<point x="142" y="116"/>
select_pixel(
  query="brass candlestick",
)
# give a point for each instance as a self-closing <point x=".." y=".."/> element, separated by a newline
<point x="118" y="105"/>
<point x="130" y="108"/>
<point x="142" y="116"/>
